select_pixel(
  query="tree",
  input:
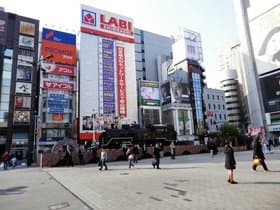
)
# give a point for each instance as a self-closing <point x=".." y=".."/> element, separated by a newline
<point x="230" y="132"/>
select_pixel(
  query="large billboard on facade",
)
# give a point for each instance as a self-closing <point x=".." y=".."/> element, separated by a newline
<point x="58" y="69"/>
<point x="121" y="80"/>
<point x="265" y="33"/>
<point x="61" y="46"/>
<point x="180" y="92"/>
<point x="193" y="45"/>
<point x="165" y="93"/>
<point x="106" y="24"/>
<point x="27" y="28"/>
<point x="149" y="93"/>
<point x="107" y="78"/>
<point x="270" y="86"/>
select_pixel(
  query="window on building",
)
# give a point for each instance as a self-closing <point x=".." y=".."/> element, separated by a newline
<point x="209" y="106"/>
<point x="219" y="106"/>
<point x="214" y="105"/>
<point x="208" y="97"/>
<point x="217" y="97"/>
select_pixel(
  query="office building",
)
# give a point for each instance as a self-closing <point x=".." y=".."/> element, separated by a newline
<point x="216" y="113"/>
<point x="18" y="72"/>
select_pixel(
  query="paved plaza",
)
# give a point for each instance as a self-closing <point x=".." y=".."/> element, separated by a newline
<point x="188" y="182"/>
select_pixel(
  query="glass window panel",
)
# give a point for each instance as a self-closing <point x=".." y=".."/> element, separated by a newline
<point x="7" y="75"/>
<point x="6" y="82"/>
<point x="5" y="90"/>
<point x="4" y="106"/>
<point x="5" y="98"/>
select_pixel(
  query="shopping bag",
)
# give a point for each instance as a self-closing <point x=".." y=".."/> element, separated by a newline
<point x="256" y="162"/>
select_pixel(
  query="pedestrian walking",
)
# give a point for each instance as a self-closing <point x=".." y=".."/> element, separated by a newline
<point x="230" y="163"/>
<point x="103" y="159"/>
<point x="135" y="152"/>
<point x="130" y="157"/>
<point x="81" y="154"/>
<point x="5" y="158"/>
<point x="68" y="156"/>
<point x="172" y="149"/>
<point x="258" y="153"/>
<point x="156" y="156"/>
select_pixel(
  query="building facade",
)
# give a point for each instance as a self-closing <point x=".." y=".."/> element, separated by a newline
<point x="18" y="72"/>
<point x="108" y="90"/>
<point x="229" y="60"/>
<point x="148" y="46"/>
<point x="258" y="30"/>
<point x="57" y="90"/>
<point x="216" y="113"/>
<point x="232" y="98"/>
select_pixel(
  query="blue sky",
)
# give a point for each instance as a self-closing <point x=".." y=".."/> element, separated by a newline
<point x="213" y="19"/>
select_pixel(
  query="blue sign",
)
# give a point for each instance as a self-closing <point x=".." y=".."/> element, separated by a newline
<point x="59" y="36"/>
<point x="108" y="76"/>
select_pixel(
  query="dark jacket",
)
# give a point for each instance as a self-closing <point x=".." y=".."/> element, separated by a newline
<point x="157" y="152"/>
<point x="229" y="158"/>
<point x="257" y="149"/>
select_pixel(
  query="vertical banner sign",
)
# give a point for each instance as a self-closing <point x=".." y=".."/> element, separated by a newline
<point x="108" y="76"/>
<point x="121" y="81"/>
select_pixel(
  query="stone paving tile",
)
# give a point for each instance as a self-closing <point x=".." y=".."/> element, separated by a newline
<point x="188" y="182"/>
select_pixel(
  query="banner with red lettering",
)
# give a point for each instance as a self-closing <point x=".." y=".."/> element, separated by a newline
<point x="121" y="81"/>
<point x="58" y="85"/>
<point x="58" y="69"/>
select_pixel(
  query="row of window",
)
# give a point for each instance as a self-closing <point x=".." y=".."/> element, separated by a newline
<point x="214" y="106"/>
<point x="217" y="97"/>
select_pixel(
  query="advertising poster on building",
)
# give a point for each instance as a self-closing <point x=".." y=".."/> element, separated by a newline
<point x="270" y="87"/>
<point x="61" y="53"/>
<point x="61" y="46"/>
<point x="149" y="93"/>
<point x="165" y="93"/>
<point x="22" y="102"/>
<point x="58" y="69"/>
<point x="57" y="118"/>
<point x="23" y="87"/>
<point x="121" y="78"/>
<point x="265" y="33"/>
<point x="106" y="24"/>
<point x="24" y="74"/>
<point x="87" y="123"/>
<point x="27" y="28"/>
<point x="21" y="116"/>
<point x="180" y="92"/>
<point x="58" y="85"/>
<point x="26" y="42"/>
<point x="108" y="76"/>
<point x="2" y="31"/>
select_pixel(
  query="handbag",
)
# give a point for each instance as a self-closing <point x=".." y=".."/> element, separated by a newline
<point x="256" y="162"/>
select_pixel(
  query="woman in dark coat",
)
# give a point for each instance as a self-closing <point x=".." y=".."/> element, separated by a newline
<point x="258" y="153"/>
<point x="230" y="163"/>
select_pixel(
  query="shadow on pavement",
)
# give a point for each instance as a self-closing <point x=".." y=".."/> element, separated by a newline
<point x="13" y="190"/>
<point x="259" y="182"/>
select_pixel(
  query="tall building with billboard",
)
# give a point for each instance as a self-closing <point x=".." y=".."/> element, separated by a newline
<point x="182" y="88"/>
<point x="108" y="90"/>
<point x="18" y="72"/>
<point x="259" y="31"/>
<point x="57" y="88"/>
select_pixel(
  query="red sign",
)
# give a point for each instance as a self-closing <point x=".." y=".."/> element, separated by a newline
<point x="106" y="24"/>
<point x="57" y="117"/>
<point x="121" y="81"/>
<point x="58" y="69"/>
<point x="209" y="113"/>
<point x="58" y="85"/>
<point x="62" y="53"/>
